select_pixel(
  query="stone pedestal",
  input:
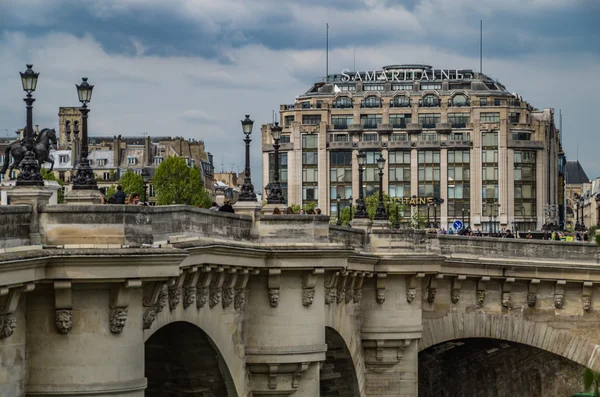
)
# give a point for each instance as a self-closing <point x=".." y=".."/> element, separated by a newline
<point x="362" y="223"/>
<point x="34" y="196"/>
<point x="251" y="208"/>
<point x="85" y="197"/>
<point x="268" y="209"/>
<point x="381" y="225"/>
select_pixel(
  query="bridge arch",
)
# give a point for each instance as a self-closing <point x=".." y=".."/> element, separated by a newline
<point x="181" y="359"/>
<point x="338" y="373"/>
<point x="455" y="326"/>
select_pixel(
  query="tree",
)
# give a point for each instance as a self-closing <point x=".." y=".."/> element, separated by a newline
<point x="176" y="183"/>
<point x="390" y="204"/>
<point x="110" y="191"/>
<point x="48" y="175"/>
<point x="591" y="381"/>
<point x="132" y="183"/>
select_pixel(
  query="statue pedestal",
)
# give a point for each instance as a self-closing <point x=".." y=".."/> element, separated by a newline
<point x="83" y="197"/>
<point x="381" y="225"/>
<point x="33" y="196"/>
<point x="362" y="223"/>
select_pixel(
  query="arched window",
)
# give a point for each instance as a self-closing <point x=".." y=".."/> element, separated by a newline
<point x="371" y="102"/>
<point x="430" y="101"/>
<point x="460" y="100"/>
<point x="68" y="130"/>
<point x="343" y="102"/>
<point x="400" y="102"/>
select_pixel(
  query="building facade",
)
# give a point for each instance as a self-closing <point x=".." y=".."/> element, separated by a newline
<point x="454" y="135"/>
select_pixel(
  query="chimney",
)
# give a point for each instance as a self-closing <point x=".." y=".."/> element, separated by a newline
<point x="147" y="151"/>
<point x="117" y="151"/>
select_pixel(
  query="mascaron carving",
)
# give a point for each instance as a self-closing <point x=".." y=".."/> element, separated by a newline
<point x="506" y="299"/>
<point x="201" y="297"/>
<point x="587" y="303"/>
<point x="455" y="295"/>
<point x="411" y="294"/>
<point x="64" y="320"/>
<point x="117" y="320"/>
<point x="8" y="324"/>
<point x="431" y="295"/>
<point x="531" y="299"/>
<point x="330" y="295"/>
<point x="308" y="295"/>
<point x="215" y="297"/>
<point x="380" y="296"/>
<point x="189" y="296"/>
<point x="240" y="298"/>
<point x="161" y="302"/>
<point x="480" y="297"/>
<point x="174" y="296"/>
<point x="227" y="297"/>
<point x="558" y="301"/>
<point x="357" y="295"/>
<point x="274" y="297"/>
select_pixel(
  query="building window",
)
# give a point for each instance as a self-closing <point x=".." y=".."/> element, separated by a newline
<point x="400" y="120"/>
<point x="429" y="136"/>
<point x="131" y="160"/>
<point x="106" y="176"/>
<point x="402" y="87"/>
<point x="400" y="101"/>
<point x="459" y="136"/>
<point x="521" y="136"/>
<point x="63" y="158"/>
<point x="61" y="176"/>
<point x="342" y="102"/>
<point x="285" y="138"/>
<point x="369" y="137"/>
<point x="101" y="162"/>
<point x="489" y="117"/>
<point x="311" y="119"/>
<point x="340" y="174"/>
<point x="483" y="101"/>
<point x="283" y="171"/>
<point x="459" y="120"/>
<point x="347" y="87"/>
<point x="341" y="122"/>
<point x="430" y="101"/>
<point x="158" y="160"/>
<point x="459" y="185"/>
<point x="373" y="87"/>
<point x="288" y="120"/>
<point x="310" y="168"/>
<point x="399" y="137"/>
<point x="305" y="105"/>
<point x="489" y="178"/>
<point x="371" y="102"/>
<point x="428" y="175"/>
<point x="497" y="102"/>
<point x="399" y="176"/>
<point x="525" y="184"/>
<point x="371" y="173"/>
<point x="431" y="86"/>
<point x="460" y="100"/>
<point x="340" y="137"/>
<point x="429" y="120"/>
<point x="514" y="117"/>
<point x="370" y="120"/>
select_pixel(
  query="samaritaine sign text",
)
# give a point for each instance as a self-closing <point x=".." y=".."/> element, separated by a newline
<point x="403" y="75"/>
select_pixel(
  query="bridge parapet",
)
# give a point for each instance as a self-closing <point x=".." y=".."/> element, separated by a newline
<point x="14" y="225"/>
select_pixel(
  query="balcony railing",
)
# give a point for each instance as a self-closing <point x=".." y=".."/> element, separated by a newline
<point x="369" y="123"/>
<point x="370" y="105"/>
<point x="399" y="104"/>
<point x="435" y="104"/>
<point x="340" y="126"/>
<point x="459" y="105"/>
<point x="342" y="106"/>
<point x="399" y="124"/>
<point x="428" y="124"/>
<point x="459" y="124"/>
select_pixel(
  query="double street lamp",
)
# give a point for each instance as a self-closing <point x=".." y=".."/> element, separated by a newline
<point x="30" y="167"/>
<point x="361" y="208"/>
<point x="247" y="193"/>
<point x="84" y="179"/>
<point x="380" y="214"/>
<point x="275" y="195"/>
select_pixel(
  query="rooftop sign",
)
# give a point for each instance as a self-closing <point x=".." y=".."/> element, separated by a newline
<point x="402" y="75"/>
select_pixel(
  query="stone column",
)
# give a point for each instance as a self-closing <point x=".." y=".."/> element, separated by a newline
<point x="390" y="330"/>
<point x="74" y="349"/>
<point x="285" y="341"/>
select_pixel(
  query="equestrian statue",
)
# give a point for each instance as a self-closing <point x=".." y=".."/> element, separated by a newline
<point x="41" y="149"/>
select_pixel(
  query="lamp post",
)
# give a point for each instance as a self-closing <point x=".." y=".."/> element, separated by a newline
<point x="30" y="168"/>
<point x="350" y="202"/>
<point x="463" y="216"/>
<point x="496" y="214"/>
<point x="469" y="216"/>
<point x="145" y="177"/>
<point x="598" y="209"/>
<point x="337" y="202"/>
<point x="428" y="222"/>
<point x="397" y="225"/>
<point x="361" y="209"/>
<point x="435" y="225"/>
<point x="275" y="196"/>
<point x="247" y="193"/>
<point x="84" y="179"/>
<point x="380" y="214"/>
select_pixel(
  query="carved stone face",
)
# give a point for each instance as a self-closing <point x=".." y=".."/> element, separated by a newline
<point x="163" y="299"/>
<point x="431" y="295"/>
<point x="506" y="299"/>
<point x="201" y="297"/>
<point x="308" y="295"/>
<point x="411" y="295"/>
<point x="240" y="299"/>
<point x="455" y="295"/>
<point x="380" y="296"/>
<point x="118" y="318"/>
<point x="558" y="301"/>
<point x="7" y="326"/>
<point x="531" y="298"/>
<point x="64" y="320"/>
<point x="587" y="303"/>
<point x="274" y="297"/>
<point x="149" y="317"/>
<point x="480" y="297"/>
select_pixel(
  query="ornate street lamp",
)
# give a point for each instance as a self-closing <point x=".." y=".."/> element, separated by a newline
<point x="469" y="216"/>
<point x="85" y="179"/>
<point x="247" y="193"/>
<point x="350" y="202"/>
<point x="397" y="225"/>
<point x="275" y="196"/>
<point x="380" y="214"/>
<point x="598" y="209"/>
<point x="361" y="208"/>
<point x="30" y="168"/>
<point x="463" y="216"/>
<point x="435" y="225"/>
<point x="337" y="200"/>
<point x="428" y="218"/>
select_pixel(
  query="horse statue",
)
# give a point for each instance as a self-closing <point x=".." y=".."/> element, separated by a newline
<point x="41" y="149"/>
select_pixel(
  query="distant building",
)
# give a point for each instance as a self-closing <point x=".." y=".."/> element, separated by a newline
<point x="577" y="182"/>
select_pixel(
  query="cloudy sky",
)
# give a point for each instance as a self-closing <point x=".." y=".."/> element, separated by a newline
<point x="194" y="67"/>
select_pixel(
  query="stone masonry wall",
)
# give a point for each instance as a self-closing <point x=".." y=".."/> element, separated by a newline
<point x="14" y="225"/>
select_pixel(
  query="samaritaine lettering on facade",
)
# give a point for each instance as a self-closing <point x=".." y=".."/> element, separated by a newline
<point x="455" y="139"/>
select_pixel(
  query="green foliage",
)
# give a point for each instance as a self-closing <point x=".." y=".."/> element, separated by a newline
<point x="296" y="208"/>
<point x="417" y="221"/>
<point x="598" y="240"/>
<point x="372" y="202"/>
<point x="591" y="381"/>
<point x="311" y="205"/>
<point x="132" y="183"/>
<point x="345" y="215"/>
<point x="48" y="175"/>
<point x="176" y="183"/>
<point x="112" y="189"/>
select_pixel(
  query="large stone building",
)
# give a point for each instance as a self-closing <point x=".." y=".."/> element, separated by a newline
<point x="455" y="135"/>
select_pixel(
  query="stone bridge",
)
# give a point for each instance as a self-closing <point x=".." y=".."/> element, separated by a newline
<point x="178" y="301"/>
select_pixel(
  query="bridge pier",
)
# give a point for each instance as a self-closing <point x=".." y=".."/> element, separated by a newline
<point x="79" y="354"/>
<point x="390" y="330"/>
<point x="285" y="343"/>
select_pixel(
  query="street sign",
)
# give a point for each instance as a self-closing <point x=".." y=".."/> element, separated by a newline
<point x="457" y="225"/>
